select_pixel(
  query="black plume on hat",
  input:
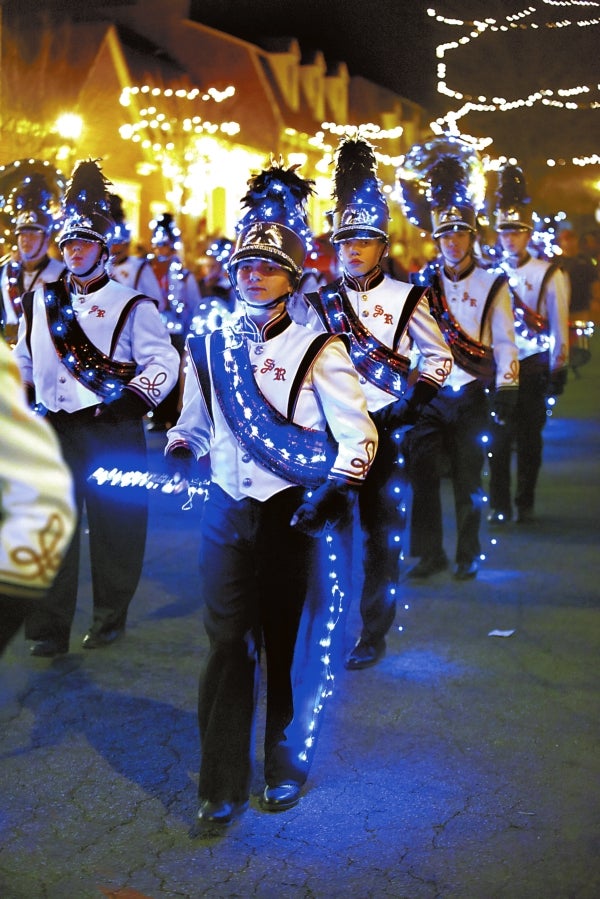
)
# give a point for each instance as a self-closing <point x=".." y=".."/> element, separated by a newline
<point x="512" y="200"/>
<point x="275" y="224"/>
<point x="451" y="207"/>
<point x="31" y="204"/>
<point x="360" y="207"/>
<point x="87" y="205"/>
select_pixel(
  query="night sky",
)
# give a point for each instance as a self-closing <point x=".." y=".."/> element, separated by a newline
<point x="386" y="41"/>
<point x="393" y="43"/>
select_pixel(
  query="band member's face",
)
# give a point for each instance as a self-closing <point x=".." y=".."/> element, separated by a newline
<point x="32" y="244"/>
<point x="455" y="246"/>
<point x="360" y="255"/>
<point x="262" y="281"/>
<point x="117" y="250"/>
<point x="81" y="255"/>
<point x="514" y="243"/>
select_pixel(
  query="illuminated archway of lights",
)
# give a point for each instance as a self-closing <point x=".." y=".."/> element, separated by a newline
<point x="183" y="143"/>
<point x="562" y="98"/>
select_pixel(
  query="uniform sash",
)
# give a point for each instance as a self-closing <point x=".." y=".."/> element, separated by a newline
<point x="89" y="365"/>
<point x="373" y="360"/>
<point x="471" y="355"/>
<point x="300" y="455"/>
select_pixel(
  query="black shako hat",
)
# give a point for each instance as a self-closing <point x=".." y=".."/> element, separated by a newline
<point x="275" y="224"/>
<point x="87" y="205"/>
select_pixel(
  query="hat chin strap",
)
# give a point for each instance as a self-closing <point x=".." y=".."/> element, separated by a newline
<point x="97" y="264"/>
<point x="271" y="305"/>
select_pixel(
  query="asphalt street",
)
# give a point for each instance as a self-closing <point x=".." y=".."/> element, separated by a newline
<point x="464" y="766"/>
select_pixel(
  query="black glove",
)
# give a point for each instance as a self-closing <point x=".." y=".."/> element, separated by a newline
<point x="128" y="407"/>
<point x="407" y="409"/>
<point x="557" y="382"/>
<point x="327" y="506"/>
<point x="504" y="404"/>
<point x="30" y="391"/>
<point x="180" y="462"/>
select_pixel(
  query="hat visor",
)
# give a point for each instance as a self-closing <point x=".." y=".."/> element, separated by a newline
<point x="513" y="226"/>
<point x="41" y="229"/>
<point x="365" y="232"/>
<point x="265" y="251"/>
<point x="81" y="234"/>
<point x="451" y="227"/>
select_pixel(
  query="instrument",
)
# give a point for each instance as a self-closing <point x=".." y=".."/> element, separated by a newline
<point x="114" y="477"/>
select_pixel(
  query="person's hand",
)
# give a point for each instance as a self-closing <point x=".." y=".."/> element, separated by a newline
<point x="180" y="461"/>
<point x="326" y="507"/>
<point x="407" y="409"/>
<point x="504" y="403"/>
<point x="128" y="407"/>
<point x="556" y="382"/>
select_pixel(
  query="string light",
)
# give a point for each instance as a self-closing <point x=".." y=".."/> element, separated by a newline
<point x="177" y="138"/>
<point x="574" y="97"/>
<point x="325" y="685"/>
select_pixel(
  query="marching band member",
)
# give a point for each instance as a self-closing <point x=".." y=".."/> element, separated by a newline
<point x="97" y="358"/>
<point x="34" y="205"/>
<point x="540" y="295"/>
<point x="384" y="319"/>
<point x="37" y="512"/>
<point x="133" y="271"/>
<point x="278" y="409"/>
<point x="473" y="309"/>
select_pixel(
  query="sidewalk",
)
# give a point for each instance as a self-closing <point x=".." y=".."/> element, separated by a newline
<point x="463" y="766"/>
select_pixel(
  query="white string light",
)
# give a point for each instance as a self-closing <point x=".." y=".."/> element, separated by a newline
<point x="574" y="97"/>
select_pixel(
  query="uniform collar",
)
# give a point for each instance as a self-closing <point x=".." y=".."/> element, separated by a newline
<point x="520" y="263"/>
<point x="460" y="277"/>
<point x="367" y="282"/>
<point x="274" y="327"/>
<point x="90" y="287"/>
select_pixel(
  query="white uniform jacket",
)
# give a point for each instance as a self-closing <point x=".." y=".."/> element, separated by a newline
<point x="547" y="293"/>
<point x="467" y="297"/>
<point x="136" y="335"/>
<point x="329" y="396"/>
<point x="380" y="308"/>
<point x="15" y="281"/>
<point x="136" y="272"/>
<point x="37" y="513"/>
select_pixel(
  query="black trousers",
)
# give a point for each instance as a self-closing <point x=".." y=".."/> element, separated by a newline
<point x="254" y="573"/>
<point x="449" y="431"/>
<point x="382" y="523"/>
<point x="117" y="521"/>
<point x="523" y="433"/>
<point x="13" y="613"/>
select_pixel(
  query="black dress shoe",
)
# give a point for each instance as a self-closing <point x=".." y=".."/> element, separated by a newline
<point x="219" y="814"/>
<point x="364" y="655"/>
<point x="466" y="571"/>
<point x="427" y="566"/>
<point x="47" y="649"/>
<point x="96" y="639"/>
<point x="281" y="797"/>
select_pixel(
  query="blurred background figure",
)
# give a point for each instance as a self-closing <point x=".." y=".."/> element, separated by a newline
<point x="180" y="301"/>
<point x="34" y="191"/>
<point x="218" y="300"/>
<point x="37" y="512"/>
<point x="540" y="297"/>
<point x="133" y="271"/>
<point x="321" y="266"/>
<point x="582" y="274"/>
<point x="473" y="309"/>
